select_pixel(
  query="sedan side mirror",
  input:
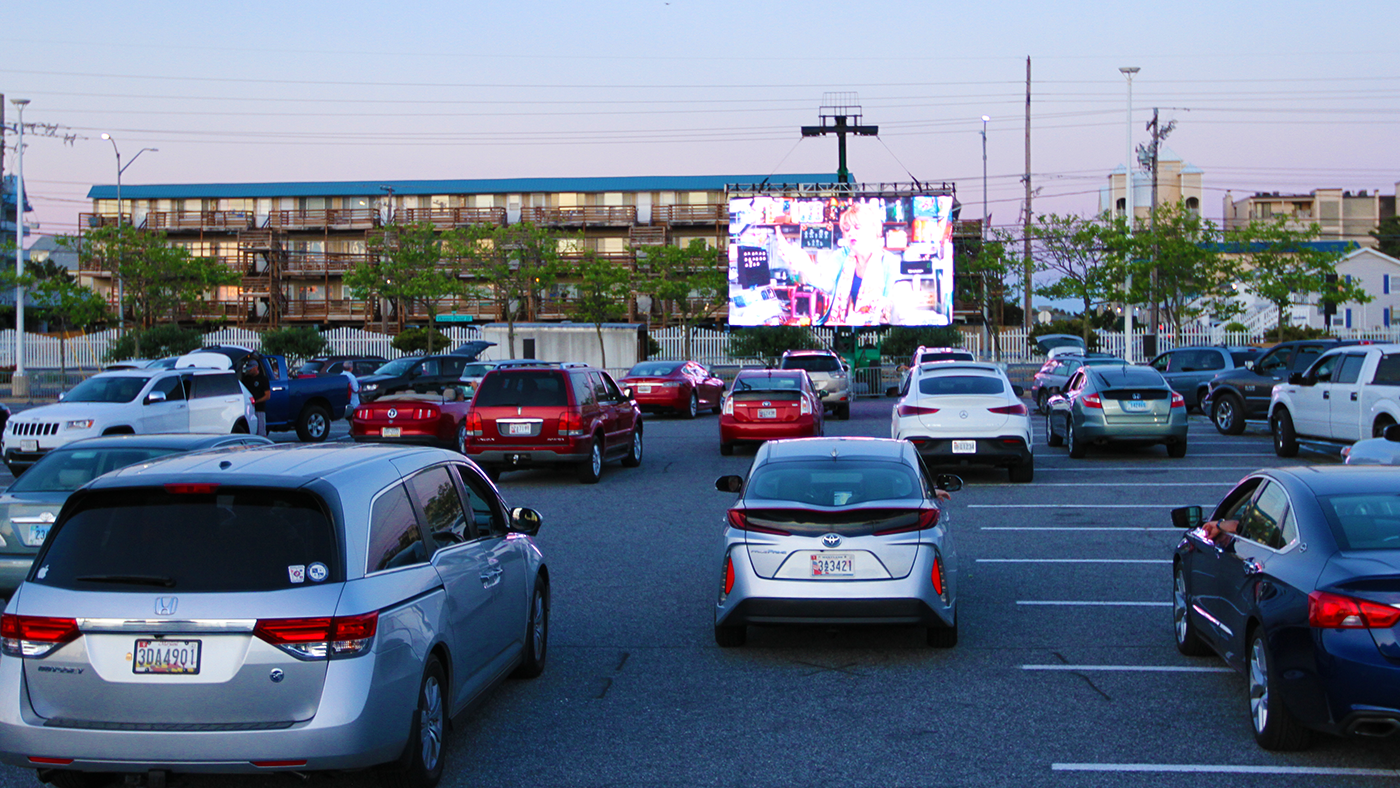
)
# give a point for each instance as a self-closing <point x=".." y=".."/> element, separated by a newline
<point x="948" y="482"/>
<point x="1187" y="517"/>
<point x="729" y="484"/>
<point x="627" y="392"/>
<point x="525" y="521"/>
<point x="154" y="397"/>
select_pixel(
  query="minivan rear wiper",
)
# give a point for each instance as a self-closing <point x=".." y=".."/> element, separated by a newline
<point x="135" y="580"/>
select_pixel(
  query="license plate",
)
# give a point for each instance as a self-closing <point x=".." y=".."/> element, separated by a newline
<point x="833" y="565"/>
<point x="768" y="413"/>
<point x="520" y="429"/>
<point x="964" y="447"/>
<point x="38" y="533"/>
<point x="643" y="389"/>
<point x="1134" y="406"/>
<point x="391" y="432"/>
<point x="169" y="657"/>
<point x="28" y="445"/>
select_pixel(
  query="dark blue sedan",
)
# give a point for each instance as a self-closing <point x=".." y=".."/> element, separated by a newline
<point x="1304" y="598"/>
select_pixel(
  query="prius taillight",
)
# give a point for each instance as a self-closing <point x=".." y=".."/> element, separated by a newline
<point x="925" y="519"/>
<point x="738" y="519"/>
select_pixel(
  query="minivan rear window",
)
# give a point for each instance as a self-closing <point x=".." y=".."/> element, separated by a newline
<point x="523" y="388"/>
<point x="230" y="539"/>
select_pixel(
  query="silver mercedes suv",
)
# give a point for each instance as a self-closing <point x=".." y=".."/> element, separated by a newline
<point x="312" y="607"/>
<point x="829" y="377"/>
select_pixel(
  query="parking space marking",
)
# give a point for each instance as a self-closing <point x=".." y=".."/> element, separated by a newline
<point x="1112" y="484"/>
<point x="1147" y="467"/>
<point x="1132" y="668"/>
<point x="1073" y="528"/>
<point x="1224" y="768"/>
<point x="1088" y="603"/>
<point x="1074" y="561"/>
<point x="1067" y="505"/>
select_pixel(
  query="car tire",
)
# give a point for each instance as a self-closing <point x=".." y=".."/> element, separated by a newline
<point x="843" y="412"/>
<point x="727" y="636"/>
<point x="1188" y="639"/>
<point x="424" y="754"/>
<point x="693" y="407"/>
<point x="940" y="636"/>
<point x="313" y="425"/>
<point x="1076" y="447"/>
<point x="1051" y="438"/>
<point x="536" y="634"/>
<point x="1227" y="412"/>
<point x="1377" y="429"/>
<point x="462" y="439"/>
<point x="1201" y="399"/>
<point x="1042" y="402"/>
<point x="240" y="427"/>
<point x="634" y="454"/>
<point x="726" y="449"/>
<point x="1176" y="450"/>
<point x="1022" y="472"/>
<point x="1275" y="728"/>
<point x="591" y="470"/>
<point x="1285" y="439"/>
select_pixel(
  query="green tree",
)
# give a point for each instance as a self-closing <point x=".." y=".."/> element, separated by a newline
<point x="769" y="342"/>
<point x="55" y="295"/>
<point x="1281" y="265"/>
<point x="1387" y="235"/>
<point x="299" y="343"/>
<point x="416" y="340"/>
<point x="407" y="268"/>
<point x="1192" y="277"/>
<point x="603" y="288"/>
<point x="902" y="341"/>
<point x="521" y="262"/>
<point x="995" y="269"/>
<point x="159" y="341"/>
<point x="1082" y="254"/>
<point x="688" y="281"/>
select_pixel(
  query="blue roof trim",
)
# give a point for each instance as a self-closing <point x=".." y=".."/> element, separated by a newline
<point x="1259" y="246"/>
<point x="642" y="183"/>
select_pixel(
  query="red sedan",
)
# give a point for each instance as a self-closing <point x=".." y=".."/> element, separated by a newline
<point x="769" y="404"/>
<point x="684" y="387"/>
<point x="422" y="419"/>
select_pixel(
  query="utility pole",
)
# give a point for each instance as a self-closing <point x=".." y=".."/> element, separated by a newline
<point x="1149" y="156"/>
<point x="1026" y="319"/>
<point x="836" y="113"/>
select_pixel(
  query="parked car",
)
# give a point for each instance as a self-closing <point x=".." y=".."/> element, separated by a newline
<point x="526" y="417"/>
<point x="29" y="507"/>
<point x="1054" y="345"/>
<point x="1240" y="394"/>
<point x="308" y="405"/>
<point x="359" y="366"/>
<point x="926" y="354"/>
<point x="1056" y="372"/>
<point x="1117" y="404"/>
<point x="1301" y="598"/>
<point x="316" y="607"/>
<point x="418" y="419"/>
<point x="966" y="413"/>
<point x="836" y="531"/>
<point x="1190" y="370"/>
<point x="769" y="404"/>
<point x="684" y="387"/>
<point x="413" y="373"/>
<point x="830" y="377"/>
<point x="130" y="401"/>
<point x="1348" y="394"/>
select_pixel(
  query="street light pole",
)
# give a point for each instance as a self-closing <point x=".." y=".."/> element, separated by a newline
<point x="121" y="240"/>
<point x="19" y="386"/>
<point x="986" y="329"/>
<point x="1129" y="211"/>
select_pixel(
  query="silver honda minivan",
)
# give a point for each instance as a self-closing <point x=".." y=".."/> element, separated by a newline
<point x="289" y="608"/>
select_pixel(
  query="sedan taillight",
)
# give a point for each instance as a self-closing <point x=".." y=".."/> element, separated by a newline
<point x="319" y="638"/>
<point x="728" y="408"/>
<point x="1092" y="401"/>
<point x="35" y="636"/>
<point x="806" y="408"/>
<point x="1334" y="611"/>
<point x="1178" y="401"/>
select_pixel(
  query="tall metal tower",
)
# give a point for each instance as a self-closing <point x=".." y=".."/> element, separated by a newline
<point x="840" y="115"/>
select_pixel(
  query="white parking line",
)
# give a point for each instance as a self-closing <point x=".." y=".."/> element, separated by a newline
<point x="1073" y="528"/>
<point x="1068" y="505"/>
<point x="1112" y="484"/>
<point x="1146" y="467"/>
<point x="1072" y="603"/>
<point x="1073" y="561"/>
<point x="1224" y="768"/>
<point x="1131" y="668"/>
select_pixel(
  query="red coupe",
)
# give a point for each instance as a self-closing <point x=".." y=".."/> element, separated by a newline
<point x="684" y="387"/>
<point x="422" y="419"/>
<point x="768" y="404"/>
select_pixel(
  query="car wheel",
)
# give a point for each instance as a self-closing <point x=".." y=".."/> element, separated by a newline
<point x="726" y="449"/>
<point x="843" y="412"/>
<point x="592" y="469"/>
<point x="1176" y="450"/>
<point x="1022" y="472"/>
<point x="421" y="765"/>
<point x="462" y="438"/>
<point x="1377" y="429"/>
<point x="240" y="427"/>
<point x="1275" y="728"/>
<point x="314" y="424"/>
<point x="1285" y="439"/>
<point x="536" y="633"/>
<point x="1228" y="414"/>
<point x="1188" y="640"/>
<point x="939" y="636"/>
<point x="1073" y="443"/>
<point x="634" y="455"/>
<point x="1051" y="437"/>
<point x="692" y="407"/>
<point x="731" y="636"/>
<point x="1042" y="402"/>
<point x="1201" y="394"/>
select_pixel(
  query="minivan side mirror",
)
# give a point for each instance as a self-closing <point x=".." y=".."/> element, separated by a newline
<point x="525" y="521"/>
<point x="948" y="482"/>
<point x="729" y="484"/>
<point x="154" y="397"/>
<point x="1187" y="517"/>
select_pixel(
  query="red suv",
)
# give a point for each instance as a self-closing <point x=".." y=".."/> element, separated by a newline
<point x="524" y="417"/>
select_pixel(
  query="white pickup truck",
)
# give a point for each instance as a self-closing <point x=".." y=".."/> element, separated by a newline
<point x="1350" y="393"/>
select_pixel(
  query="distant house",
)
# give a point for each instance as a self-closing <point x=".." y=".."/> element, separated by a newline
<point x="49" y="248"/>
<point x="1379" y="275"/>
<point x="1340" y="215"/>
<point x="1177" y="181"/>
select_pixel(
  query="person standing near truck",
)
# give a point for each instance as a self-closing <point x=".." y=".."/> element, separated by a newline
<point x="256" y="383"/>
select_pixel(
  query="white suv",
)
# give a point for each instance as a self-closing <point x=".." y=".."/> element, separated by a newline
<point x="829" y="377"/>
<point x="130" y="401"/>
<point x="965" y="413"/>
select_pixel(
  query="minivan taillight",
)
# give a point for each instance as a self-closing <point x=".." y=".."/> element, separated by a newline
<point x="319" y="638"/>
<point x="571" y="424"/>
<point x="35" y="636"/>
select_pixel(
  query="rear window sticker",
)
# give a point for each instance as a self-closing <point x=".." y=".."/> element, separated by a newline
<point x="297" y="573"/>
<point x="317" y="572"/>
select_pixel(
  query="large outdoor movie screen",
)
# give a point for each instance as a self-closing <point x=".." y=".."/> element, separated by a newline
<point x="840" y="261"/>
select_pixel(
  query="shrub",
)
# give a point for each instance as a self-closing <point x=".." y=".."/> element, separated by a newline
<point x="155" y="342"/>
<point x="415" y="340"/>
<point x="769" y="342"/>
<point x="1292" y="333"/>
<point x="1235" y="327"/>
<point x="902" y="341"/>
<point x="295" y="343"/>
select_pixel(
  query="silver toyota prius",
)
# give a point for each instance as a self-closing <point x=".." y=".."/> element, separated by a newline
<point x="837" y="531"/>
<point x="281" y="608"/>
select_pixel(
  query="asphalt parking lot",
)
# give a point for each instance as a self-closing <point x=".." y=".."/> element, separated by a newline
<point x="1065" y="673"/>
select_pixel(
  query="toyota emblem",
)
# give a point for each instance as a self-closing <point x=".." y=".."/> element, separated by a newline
<point x="393" y="412"/>
<point x="831" y="540"/>
<point x="767" y="404"/>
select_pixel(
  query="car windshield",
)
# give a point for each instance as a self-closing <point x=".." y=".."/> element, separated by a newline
<point x="1364" y="521"/>
<point x="827" y="483"/>
<point x="651" y="369"/>
<point x="1101" y="362"/>
<point x="955" y="385"/>
<point x="100" y="389"/>
<point x="398" y="366"/>
<point x="821" y="363"/>
<point x="523" y="388"/>
<point x="68" y="469"/>
<point x="226" y="539"/>
<point x="1240" y="357"/>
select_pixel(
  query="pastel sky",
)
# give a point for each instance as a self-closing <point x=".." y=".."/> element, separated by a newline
<point x="1279" y="96"/>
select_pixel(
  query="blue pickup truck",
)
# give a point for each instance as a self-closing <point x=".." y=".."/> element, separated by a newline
<point x="307" y="405"/>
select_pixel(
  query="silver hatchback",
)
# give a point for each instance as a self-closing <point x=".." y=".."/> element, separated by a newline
<point x="837" y="531"/>
<point x="297" y="608"/>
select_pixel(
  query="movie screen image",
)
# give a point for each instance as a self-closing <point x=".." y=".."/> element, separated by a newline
<point x="841" y="261"/>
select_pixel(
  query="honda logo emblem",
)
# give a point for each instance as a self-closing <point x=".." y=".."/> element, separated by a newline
<point x="165" y="605"/>
<point x="1136" y="395"/>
